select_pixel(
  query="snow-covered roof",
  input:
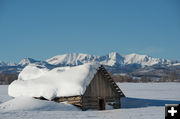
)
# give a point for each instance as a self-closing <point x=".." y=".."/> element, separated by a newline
<point x="58" y="82"/>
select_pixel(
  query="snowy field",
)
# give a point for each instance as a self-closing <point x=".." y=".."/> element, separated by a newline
<point x="143" y="101"/>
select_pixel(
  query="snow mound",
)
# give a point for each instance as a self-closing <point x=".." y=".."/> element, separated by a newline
<point x="58" y="82"/>
<point x="31" y="104"/>
<point x="31" y="72"/>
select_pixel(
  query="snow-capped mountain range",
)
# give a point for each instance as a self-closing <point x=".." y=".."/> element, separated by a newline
<point x="112" y="60"/>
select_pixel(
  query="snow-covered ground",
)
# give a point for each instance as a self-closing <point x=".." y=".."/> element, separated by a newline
<point x="144" y="101"/>
<point x="4" y="93"/>
<point x="164" y="91"/>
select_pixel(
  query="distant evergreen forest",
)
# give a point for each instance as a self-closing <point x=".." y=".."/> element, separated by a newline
<point x="6" y="78"/>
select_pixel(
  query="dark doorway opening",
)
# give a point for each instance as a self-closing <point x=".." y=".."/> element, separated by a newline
<point x="101" y="104"/>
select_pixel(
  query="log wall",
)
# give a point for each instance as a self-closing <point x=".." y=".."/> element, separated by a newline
<point x="101" y="87"/>
<point x="75" y="100"/>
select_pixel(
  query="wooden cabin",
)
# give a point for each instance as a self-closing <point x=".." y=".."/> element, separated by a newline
<point x="88" y="86"/>
<point x="100" y="93"/>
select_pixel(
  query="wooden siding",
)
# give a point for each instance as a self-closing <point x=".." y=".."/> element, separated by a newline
<point x="103" y="87"/>
<point x="75" y="100"/>
<point x="99" y="87"/>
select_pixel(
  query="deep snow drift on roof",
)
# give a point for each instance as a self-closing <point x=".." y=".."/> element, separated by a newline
<point x="60" y="81"/>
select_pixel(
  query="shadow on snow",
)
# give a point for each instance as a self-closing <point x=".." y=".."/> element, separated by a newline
<point x="139" y="102"/>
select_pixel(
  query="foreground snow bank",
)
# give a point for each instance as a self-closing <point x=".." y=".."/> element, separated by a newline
<point x="135" y="108"/>
<point x="62" y="81"/>
<point x="3" y="94"/>
<point x="31" y="104"/>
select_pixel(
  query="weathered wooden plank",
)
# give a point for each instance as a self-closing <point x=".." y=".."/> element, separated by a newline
<point x="93" y="104"/>
<point x="91" y="107"/>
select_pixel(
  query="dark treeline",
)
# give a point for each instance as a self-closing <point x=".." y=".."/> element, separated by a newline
<point x="126" y="78"/>
<point x="6" y="78"/>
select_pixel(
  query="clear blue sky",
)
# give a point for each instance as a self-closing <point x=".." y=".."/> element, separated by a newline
<point x="41" y="29"/>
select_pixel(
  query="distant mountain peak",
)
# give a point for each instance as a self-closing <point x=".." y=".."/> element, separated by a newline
<point x="7" y="64"/>
<point x="26" y="61"/>
<point x="114" y="54"/>
<point x="112" y="59"/>
<point x="71" y="59"/>
<point x="2" y="63"/>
